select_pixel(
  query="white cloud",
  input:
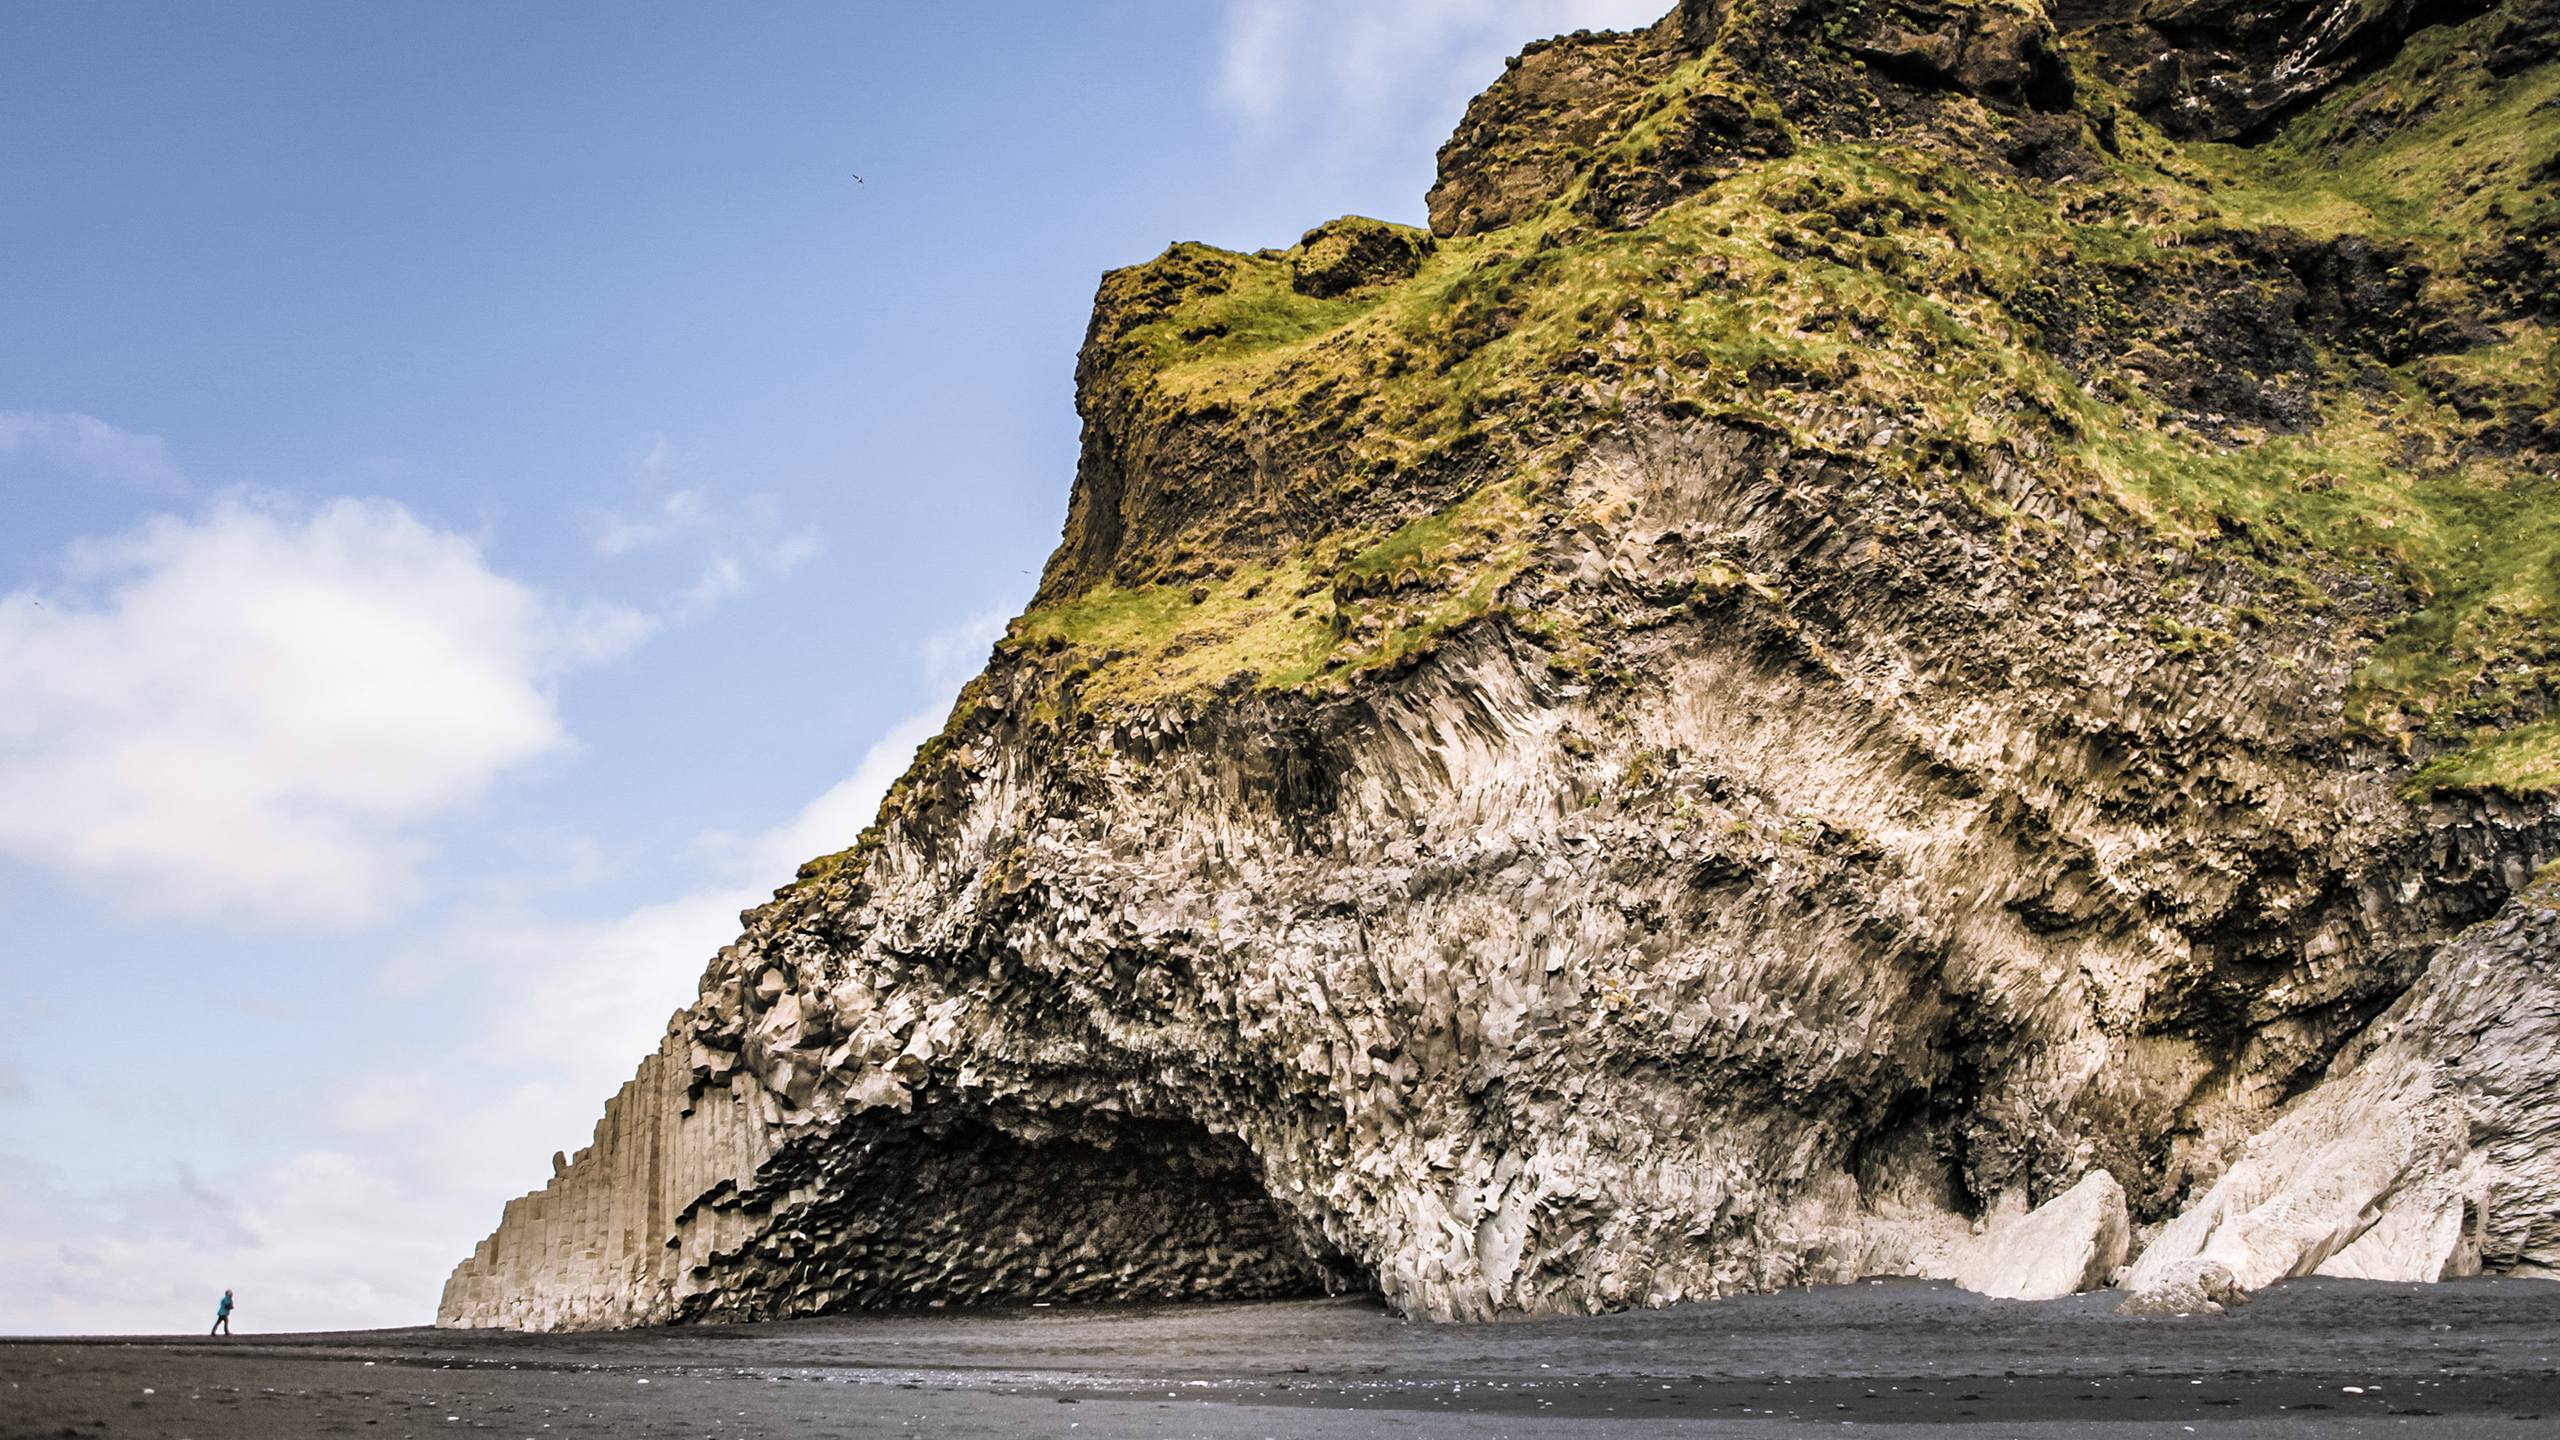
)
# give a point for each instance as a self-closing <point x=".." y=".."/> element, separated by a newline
<point x="729" y="544"/>
<point x="91" y="448"/>
<point x="953" y="656"/>
<point x="385" y="1101"/>
<point x="721" y="578"/>
<point x="660" y="459"/>
<point x="323" y="1241"/>
<point x="361" y="1228"/>
<point x="252" y="712"/>
<point x="585" y="996"/>
<point x="645" y="527"/>
<point x="794" y="550"/>
<point x="838" y="816"/>
<point x="1354" y="62"/>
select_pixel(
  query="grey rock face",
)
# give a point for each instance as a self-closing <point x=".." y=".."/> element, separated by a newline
<point x="1501" y="992"/>
<point x="2431" y="1149"/>
<point x="591" y="1249"/>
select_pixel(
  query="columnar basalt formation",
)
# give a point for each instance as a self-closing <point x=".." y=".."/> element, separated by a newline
<point x="624" y="1222"/>
<point x="1863" y="661"/>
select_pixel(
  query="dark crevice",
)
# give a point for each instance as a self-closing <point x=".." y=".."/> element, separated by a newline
<point x="968" y="1213"/>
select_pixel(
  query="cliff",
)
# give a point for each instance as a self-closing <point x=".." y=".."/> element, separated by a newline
<point x="1894" y="647"/>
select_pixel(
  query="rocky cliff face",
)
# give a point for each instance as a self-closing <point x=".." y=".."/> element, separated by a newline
<point x="2431" y="1148"/>
<point x="1887" y="641"/>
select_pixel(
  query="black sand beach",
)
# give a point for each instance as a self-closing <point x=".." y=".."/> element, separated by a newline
<point x="2313" y="1358"/>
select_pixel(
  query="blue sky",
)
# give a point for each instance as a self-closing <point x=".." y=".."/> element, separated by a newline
<point x="486" y="492"/>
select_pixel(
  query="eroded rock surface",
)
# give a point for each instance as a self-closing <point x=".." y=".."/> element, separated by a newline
<point x="2229" y="69"/>
<point x="1823" y="681"/>
<point x="2430" y="1149"/>
<point x="2075" y="1241"/>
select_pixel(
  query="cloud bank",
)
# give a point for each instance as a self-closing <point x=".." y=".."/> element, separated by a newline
<point x="404" y="1169"/>
<point x="250" y="713"/>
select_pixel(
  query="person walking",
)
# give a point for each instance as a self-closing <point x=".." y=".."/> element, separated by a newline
<point x="222" y="1316"/>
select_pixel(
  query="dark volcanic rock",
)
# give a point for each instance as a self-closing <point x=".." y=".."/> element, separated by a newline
<point x="1353" y="253"/>
<point x="1993" y="51"/>
<point x="2228" y="69"/>
<point x="1525" y="140"/>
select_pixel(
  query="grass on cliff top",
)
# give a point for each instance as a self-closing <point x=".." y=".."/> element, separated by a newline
<point x="1886" y="279"/>
<point x="1753" y="289"/>
<point x="1496" y="327"/>
<point x="1160" y="639"/>
<point x="1835" y="273"/>
<point x="1348" y="603"/>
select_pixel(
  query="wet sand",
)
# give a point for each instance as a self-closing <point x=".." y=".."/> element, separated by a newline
<point x="2314" y="1358"/>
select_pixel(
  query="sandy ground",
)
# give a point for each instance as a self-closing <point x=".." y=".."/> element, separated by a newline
<point x="2314" y="1358"/>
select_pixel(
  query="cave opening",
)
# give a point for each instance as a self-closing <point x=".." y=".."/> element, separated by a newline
<point x="970" y="1212"/>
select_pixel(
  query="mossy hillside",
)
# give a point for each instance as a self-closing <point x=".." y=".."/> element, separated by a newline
<point x="1878" y="298"/>
<point x="2434" y="148"/>
<point x="2524" y="760"/>
<point x="1349" y="603"/>
<point x="1830" y="268"/>
<point x="2436" y="156"/>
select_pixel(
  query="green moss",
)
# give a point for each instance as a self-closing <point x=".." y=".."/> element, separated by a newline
<point x="2180" y="638"/>
<point x="1881" y="279"/>
<point x="1259" y="311"/>
<point x="1421" y="548"/>
<point x="1270" y="620"/>
<point x="1701" y="306"/>
<point x="1337" y="608"/>
<point x="1642" y="769"/>
<point x="2522" y="761"/>
<point x="2428" y="150"/>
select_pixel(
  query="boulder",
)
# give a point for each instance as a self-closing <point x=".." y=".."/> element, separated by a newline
<point x="1998" y="53"/>
<point x="2073" y="1242"/>
<point x="1354" y="253"/>
<point x="2430" y="1149"/>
